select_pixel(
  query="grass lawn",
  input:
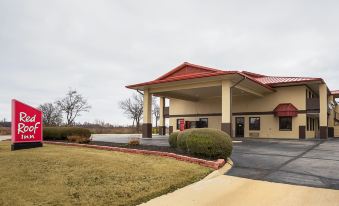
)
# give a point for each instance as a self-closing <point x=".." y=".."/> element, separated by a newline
<point x="60" y="175"/>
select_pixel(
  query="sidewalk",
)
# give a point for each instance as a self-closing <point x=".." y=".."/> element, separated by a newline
<point x="228" y="190"/>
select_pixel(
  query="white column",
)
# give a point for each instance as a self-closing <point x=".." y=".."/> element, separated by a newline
<point x="226" y="125"/>
<point x="147" y="123"/>
<point x="323" y="105"/>
<point x="162" y="128"/>
<point x="332" y="114"/>
<point x="147" y="107"/>
<point x="162" y="105"/>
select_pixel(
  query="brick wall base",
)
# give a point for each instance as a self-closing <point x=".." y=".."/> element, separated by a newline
<point x="206" y="163"/>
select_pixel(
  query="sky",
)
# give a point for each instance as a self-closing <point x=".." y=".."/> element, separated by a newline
<point x="98" y="47"/>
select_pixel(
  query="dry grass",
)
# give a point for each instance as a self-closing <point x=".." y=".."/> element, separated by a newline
<point x="59" y="175"/>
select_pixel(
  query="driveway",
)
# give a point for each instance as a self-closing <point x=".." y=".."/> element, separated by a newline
<point x="156" y="140"/>
<point x="308" y="163"/>
<point x="5" y="137"/>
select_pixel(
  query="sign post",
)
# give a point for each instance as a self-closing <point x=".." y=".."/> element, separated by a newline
<point x="26" y="126"/>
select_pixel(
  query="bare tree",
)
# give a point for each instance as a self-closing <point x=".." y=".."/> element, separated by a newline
<point x="133" y="108"/>
<point x="73" y="105"/>
<point x="156" y="111"/>
<point x="52" y="115"/>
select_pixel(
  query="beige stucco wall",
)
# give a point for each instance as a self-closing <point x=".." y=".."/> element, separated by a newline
<point x="269" y="127"/>
<point x="336" y="125"/>
<point x="336" y="131"/>
<point x="248" y="103"/>
<point x="205" y="106"/>
<point x="269" y="123"/>
<point x="295" y="95"/>
<point x="332" y="113"/>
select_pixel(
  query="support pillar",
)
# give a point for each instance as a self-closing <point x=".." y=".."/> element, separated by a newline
<point x="323" y="102"/>
<point x="331" y="118"/>
<point x="226" y="125"/>
<point x="162" y="128"/>
<point x="147" y="123"/>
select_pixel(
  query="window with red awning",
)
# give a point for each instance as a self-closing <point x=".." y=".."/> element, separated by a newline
<point x="286" y="110"/>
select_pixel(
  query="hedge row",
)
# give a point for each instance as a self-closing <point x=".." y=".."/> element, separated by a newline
<point x="205" y="142"/>
<point x="61" y="133"/>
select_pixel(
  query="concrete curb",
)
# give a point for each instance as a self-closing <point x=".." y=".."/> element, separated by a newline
<point x="206" y="163"/>
<point x="221" y="171"/>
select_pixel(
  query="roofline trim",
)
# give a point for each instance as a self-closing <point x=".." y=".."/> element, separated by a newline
<point x="187" y="64"/>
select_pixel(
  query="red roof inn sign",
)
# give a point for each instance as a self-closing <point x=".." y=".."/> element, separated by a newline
<point x="26" y="126"/>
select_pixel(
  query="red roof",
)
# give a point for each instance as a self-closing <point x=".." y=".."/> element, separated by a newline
<point x="271" y="80"/>
<point x="334" y="92"/>
<point x="187" y="71"/>
<point x="286" y="110"/>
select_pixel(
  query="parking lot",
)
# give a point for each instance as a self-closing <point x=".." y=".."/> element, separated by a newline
<point x="310" y="163"/>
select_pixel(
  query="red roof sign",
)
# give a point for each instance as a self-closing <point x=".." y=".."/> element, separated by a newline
<point x="26" y="123"/>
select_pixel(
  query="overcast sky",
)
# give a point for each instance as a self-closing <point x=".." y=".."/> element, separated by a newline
<point x="98" y="47"/>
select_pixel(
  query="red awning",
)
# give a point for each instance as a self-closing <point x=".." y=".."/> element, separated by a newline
<point x="286" y="110"/>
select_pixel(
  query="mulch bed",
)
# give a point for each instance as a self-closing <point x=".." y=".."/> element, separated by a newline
<point x="147" y="147"/>
<point x="142" y="147"/>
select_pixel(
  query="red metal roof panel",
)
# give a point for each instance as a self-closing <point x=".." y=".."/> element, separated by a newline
<point x="187" y="71"/>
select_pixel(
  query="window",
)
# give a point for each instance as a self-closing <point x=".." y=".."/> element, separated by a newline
<point x="203" y="122"/>
<point x="178" y="123"/>
<point x="285" y="123"/>
<point x="254" y="123"/>
<point x="312" y="124"/>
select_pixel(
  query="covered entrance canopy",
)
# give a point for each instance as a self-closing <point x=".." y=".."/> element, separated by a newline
<point x="193" y="83"/>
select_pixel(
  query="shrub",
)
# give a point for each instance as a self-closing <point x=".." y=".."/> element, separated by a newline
<point x="155" y="130"/>
<point x="79" y="139"/>
<point x="182" y="138"/>
<point x="134" y="142"/>
<point x="209" y="143"/>
<point x="61" y="133"/>
<point x="172" y="140"/>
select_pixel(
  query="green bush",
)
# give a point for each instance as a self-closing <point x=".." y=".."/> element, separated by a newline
<point x="61" y="133"/>
<point x="210" y="143"/>
<point x="172" y="140"/>
<point x="182" y="139"/>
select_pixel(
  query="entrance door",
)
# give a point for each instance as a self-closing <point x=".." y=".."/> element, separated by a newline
<point x="239" y="126"/>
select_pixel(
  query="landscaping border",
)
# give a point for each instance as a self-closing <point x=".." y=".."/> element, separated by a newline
<point x="206" y="163"/>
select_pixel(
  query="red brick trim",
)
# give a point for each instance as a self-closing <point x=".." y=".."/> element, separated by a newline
<point x="206" y="163"/>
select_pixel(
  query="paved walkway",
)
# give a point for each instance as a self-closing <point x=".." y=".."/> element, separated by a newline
<point x="229" y="191"/>
<point x="156" y="140"/>
<point x="309" y="163"/>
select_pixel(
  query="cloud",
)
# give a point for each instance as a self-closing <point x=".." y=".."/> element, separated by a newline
<point x="98" y="47"/>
